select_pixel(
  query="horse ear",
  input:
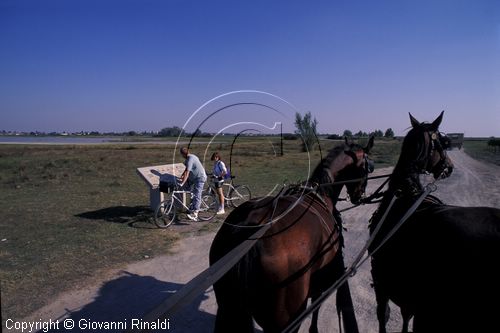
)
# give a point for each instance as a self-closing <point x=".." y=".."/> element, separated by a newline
<point x="346" y="140"/>
<point x="369" y="146"/>
<point x="414" y="122"/>
<point x="435" y="124"/>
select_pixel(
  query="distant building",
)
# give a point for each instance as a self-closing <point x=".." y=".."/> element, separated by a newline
<point x="456" y="140"/>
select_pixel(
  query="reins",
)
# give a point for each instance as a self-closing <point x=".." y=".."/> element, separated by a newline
<point x="361" y="258"/>
<point x="371" y="198"/>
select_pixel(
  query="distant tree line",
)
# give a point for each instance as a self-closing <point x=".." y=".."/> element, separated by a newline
<point x="176" y="131"/>
<point x="170" y="131"/>
<point x="494" y="143"/>
<point x="389" y="133"/>
<point x="306" y="129"/>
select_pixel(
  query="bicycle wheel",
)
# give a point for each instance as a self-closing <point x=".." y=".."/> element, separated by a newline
<point x="238" y="195"/>
<point x="208" y="207"/>
<point x="165" y="214"/>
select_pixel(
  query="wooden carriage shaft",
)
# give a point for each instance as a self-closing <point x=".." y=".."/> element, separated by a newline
<point x="202" y="281"/>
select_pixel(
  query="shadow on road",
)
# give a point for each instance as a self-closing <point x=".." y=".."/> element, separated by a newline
<point x="136" y="216"/>
<point x="132" y="296"/>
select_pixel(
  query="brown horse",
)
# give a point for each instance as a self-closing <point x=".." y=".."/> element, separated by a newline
<point x="440" y="264"/>
<point x="297" y="258"/>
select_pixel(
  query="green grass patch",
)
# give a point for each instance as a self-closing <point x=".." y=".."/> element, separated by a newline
<point x="479" y="149"/>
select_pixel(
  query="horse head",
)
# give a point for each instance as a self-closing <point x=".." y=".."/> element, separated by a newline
<point x="360" y="168"/>
<point x="347" y="164"/>
<point x="425" y="148"/>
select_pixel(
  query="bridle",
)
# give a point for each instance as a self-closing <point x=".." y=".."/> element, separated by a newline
<point x="368" y="167"/>
<point x="438" y="143"/>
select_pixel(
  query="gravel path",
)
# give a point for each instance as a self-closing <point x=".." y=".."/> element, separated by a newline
<point x="141" y="286"/>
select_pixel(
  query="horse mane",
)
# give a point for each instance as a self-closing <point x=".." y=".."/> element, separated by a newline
<point x="413" y="152"/>
<point x="405" y="175"/>
<point x="411" y="141"/>
<point x="320" y="175"/>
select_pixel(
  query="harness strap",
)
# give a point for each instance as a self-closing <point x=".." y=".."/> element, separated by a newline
<point x="369" y="200"/>
<point x="359" y="259"/>
<point x="410" y="211"/>
<point x="351" y="271"/>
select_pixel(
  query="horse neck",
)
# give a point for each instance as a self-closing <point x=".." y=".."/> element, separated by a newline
<point x="405" y="178"/>
<point x="334" y="194"/>
<point x="339" y="164"/>
<point x="331" y="197"/>
<point x="331" y="193"/>
<point x="406" y="182"/>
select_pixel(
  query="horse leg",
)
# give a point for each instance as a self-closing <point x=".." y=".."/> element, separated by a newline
<point x="314" y="321"/>
<point x="406" y="314"/>
<point x="345" y="306"/>
<point x="231" y="319"/>
<point x="383" y="310"/>
<point x="232" y="314"/>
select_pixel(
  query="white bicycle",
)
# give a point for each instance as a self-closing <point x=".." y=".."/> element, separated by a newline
<point x="172" y="207"/>
<point x="234" y="195"/>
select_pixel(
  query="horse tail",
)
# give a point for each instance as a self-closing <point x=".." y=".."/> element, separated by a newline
<point x="233" y="292"/>
<point x="232" y="314"/>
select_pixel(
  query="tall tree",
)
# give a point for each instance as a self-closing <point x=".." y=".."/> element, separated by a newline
<point x="347" y="134"/>
<point x="389" y="133"/>
<point x="170" y="131"/>
<point x="306" y="128"/>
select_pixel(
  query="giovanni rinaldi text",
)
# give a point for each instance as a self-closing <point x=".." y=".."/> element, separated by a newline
<point x="86" y="324"/>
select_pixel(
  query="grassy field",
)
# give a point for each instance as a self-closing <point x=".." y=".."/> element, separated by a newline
<point x="70" y="214"/>
<point x="480" y="150"/>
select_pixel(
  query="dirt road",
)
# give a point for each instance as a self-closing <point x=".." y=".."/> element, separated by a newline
<point x="140" y="286"/>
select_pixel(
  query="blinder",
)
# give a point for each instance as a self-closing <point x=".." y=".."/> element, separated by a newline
<point x="368" y="167"/>
<point x="439" y="142"/>
<point x="369" y="164"/>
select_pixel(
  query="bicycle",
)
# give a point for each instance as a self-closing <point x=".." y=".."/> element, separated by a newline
<point x="166" y="212"/>
<point x="234" y="195"/>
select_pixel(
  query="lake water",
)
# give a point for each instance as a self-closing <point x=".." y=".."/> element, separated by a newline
<point x="72" y="140"/>
<point x="54" y="140"/>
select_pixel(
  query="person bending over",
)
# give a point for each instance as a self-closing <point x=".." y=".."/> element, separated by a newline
<point x="195" y="176"/>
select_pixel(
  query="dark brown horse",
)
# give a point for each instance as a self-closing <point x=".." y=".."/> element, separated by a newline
<point x="297" y="258"/>
<point x="441" y="264"/>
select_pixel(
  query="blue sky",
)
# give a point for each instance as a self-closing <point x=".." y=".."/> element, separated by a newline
<point x="124" y="65"/>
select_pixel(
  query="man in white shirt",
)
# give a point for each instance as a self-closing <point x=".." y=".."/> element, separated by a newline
<point x="196" y="177"/>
